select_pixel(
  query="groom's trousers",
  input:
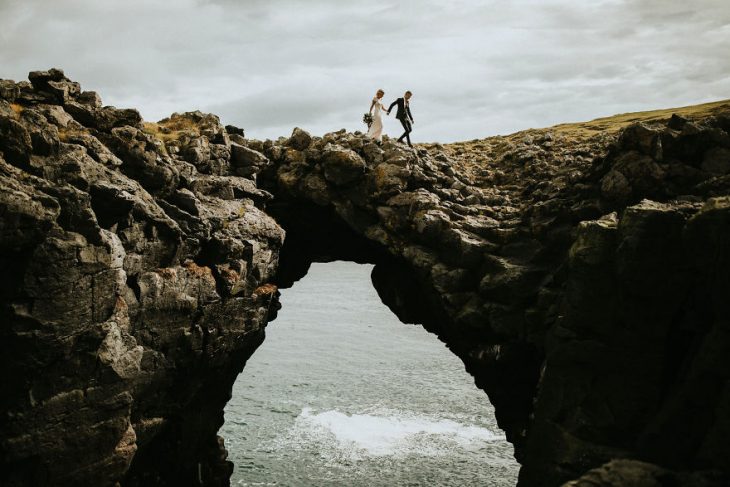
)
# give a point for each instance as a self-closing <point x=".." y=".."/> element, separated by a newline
<point x="408" y="129"/>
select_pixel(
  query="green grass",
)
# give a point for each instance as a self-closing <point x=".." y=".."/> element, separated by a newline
<point x="617" y="122"/>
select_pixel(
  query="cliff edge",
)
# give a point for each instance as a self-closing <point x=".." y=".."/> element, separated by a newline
<point x="580" y="272"/>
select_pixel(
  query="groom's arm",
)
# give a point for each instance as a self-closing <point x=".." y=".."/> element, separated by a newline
<point x="408" y="108"/>
<point x="392" y="105"/>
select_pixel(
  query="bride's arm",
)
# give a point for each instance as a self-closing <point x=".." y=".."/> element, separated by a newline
<point x="391" y="106"/>
<point x="371" y="107"/>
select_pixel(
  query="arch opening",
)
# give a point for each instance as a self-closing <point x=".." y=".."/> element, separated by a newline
<point x="342" y="393"/>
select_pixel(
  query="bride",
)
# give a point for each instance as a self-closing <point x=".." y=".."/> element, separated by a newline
<point x="376" y="108"/>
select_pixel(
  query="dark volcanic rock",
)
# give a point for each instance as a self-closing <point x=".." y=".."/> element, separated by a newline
<point x="342" y="166"/>
<point x="55" y="82"/>
<point x="589" y="330"/>
<point x="125" y="316"/>
<point x="9" y="90"/>
<point x="102" y="118"/>
<point x="90" y="98"/>
<point x="15" y="142"/>
<point x="583" y="282"/>
<point x="632" y="473"/>
<point x="247" y="162"/>
<point x="300" y="139"/>
<point x="232" y="129"/>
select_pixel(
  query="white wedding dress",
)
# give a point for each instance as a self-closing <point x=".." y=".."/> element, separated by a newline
<point x="376" y="128"/>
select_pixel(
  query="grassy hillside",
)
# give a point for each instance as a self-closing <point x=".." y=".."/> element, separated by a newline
<point x="616" y="122"/>
<point x="566" y="147"/>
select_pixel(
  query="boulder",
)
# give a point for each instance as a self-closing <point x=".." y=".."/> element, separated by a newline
<point x="300" y="139"/>
<point x="342" y="166"/>
<point x="104" y="119"/>
<point x="247" y="162"/>
<point x="55" y="82"/>
<point x="108" y="118"/>
<point x="233" y="130"/>
<point x="90" y="98"/>
<point x="642" y="138"/>
<point x="9" y="90"/>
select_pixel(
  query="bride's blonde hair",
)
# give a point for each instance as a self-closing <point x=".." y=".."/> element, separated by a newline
<point x="379" y="91"/>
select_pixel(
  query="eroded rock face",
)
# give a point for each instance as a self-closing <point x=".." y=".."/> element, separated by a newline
<point x="134" y="289"/>
<point x="593" y="318"/>
<point x="581" y="279"/>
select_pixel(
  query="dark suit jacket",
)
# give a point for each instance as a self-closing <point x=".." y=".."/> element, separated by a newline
<point x="402" y="109"/>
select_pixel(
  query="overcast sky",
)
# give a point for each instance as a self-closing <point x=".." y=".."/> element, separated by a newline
<point x="476" y="68"/>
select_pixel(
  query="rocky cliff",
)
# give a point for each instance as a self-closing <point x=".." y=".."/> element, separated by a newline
<point x="134" y="287"/>
<point x="580" y="272"/>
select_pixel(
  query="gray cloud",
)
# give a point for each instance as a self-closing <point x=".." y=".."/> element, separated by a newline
<point x="476" y="67"/>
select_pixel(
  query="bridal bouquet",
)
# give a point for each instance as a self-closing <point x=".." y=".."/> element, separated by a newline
<point x="367" y="119"/>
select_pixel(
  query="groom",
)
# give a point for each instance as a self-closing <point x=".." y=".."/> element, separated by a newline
<point x="404" y="115"/>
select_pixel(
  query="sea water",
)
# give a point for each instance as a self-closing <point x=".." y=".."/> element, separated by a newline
<point x="341" y="393"/>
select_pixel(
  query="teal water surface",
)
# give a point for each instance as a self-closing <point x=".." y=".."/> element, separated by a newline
<point x="343" y="394"/>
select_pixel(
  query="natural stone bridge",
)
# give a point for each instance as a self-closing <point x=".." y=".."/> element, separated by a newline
<point x="583" y="281"/>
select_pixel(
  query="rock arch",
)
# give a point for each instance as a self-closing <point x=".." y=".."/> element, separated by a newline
<point x="140" y="262"/>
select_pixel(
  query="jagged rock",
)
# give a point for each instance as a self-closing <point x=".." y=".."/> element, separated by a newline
<point x="56" y="115"/>
<point x="233" y="130"/>
<point x="108" y="118"/>
<point x="15" y="141"/>
<point x="9" y="90"/>
<point x="237" y="139"/>
<point x="197" y="152"/>
<point x="55" y="82"/>
<point x="101" y="281"/>
<point x="643" y="139"/>
<point x="342" y="166"/>
<point x="95" y="148"/>
<point x="141" y="159"/>
<point x="30" y="96"/>
<point x="247" y="162"/>
<point x="104" y="119"/>
<point x="90" y="98"/>
<point x="300" y="139"/>
<point x="39" y="78"/>
<point x="229" y="188"/>
<point x="581" y="277"/>
<point x="532" y="260"/>
<point x="44" y="136"/>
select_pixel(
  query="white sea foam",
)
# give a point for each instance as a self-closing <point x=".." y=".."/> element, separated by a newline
<point x="387" y="433"/>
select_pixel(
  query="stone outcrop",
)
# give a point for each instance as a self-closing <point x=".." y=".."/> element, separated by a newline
<point x="594" y="320"/>
<point x="579" y="272"/>
<point x="134" y="287"/>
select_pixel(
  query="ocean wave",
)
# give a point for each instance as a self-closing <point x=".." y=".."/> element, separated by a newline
<point x="387" y="433"/>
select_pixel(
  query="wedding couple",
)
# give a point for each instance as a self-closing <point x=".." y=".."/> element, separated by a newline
<point x="403" y="114"/>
